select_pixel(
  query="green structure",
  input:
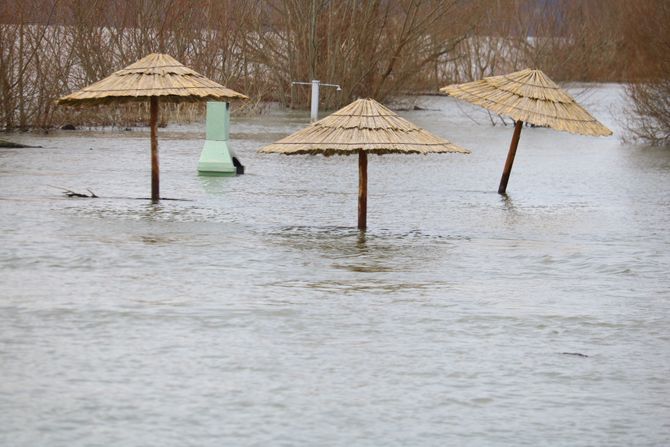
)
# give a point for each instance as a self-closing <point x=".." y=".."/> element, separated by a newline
<point x="216" y="158"/>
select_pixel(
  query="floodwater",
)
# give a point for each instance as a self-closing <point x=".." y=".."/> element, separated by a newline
<point x="254" y="314"/>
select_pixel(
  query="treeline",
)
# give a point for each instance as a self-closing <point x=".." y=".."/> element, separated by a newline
<point x="372" y="48"/>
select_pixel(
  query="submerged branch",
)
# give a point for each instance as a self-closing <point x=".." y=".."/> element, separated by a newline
<point x="70" y="193"/>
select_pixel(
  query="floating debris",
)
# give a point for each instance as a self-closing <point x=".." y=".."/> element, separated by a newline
<point x="577" y="354"/>
<point x="70" y="193"/>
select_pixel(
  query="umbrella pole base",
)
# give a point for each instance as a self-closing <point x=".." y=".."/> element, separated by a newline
<point x="155" y="169"/>
<point x="362" y="190"/>
<point x="502" y="189"/>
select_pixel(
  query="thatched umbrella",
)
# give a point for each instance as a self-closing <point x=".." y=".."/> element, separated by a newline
<point x="362" y="127"/>
<point x="528" y="96"/>
<point x="152" y="78"/>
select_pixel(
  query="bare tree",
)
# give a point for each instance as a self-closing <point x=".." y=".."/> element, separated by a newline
<point x="376" y="48"/>
<point x="648" y="47"/>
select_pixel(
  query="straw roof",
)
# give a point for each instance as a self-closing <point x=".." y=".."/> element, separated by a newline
<point x="154" y="75"/>
<point x="529" y="96"/>
<point x="364" y="125"/>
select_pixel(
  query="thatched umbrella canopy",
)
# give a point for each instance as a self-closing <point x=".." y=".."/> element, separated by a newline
<point x="152" y="78"/>
<point x="528" y="96"/>
<point x="362" y="127"/>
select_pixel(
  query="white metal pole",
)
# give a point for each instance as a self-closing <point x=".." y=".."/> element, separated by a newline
<point x="315" y="100"/>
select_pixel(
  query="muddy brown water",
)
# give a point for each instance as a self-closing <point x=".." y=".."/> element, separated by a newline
<point x="253" y="312"/>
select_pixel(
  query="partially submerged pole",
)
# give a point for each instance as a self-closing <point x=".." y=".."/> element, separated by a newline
<point x="362" y="189"/>
<point x="510" y="158"/>
<point x="155" y="174"/>
<point x="314" y="112"/>
<point x="314" y="104"/>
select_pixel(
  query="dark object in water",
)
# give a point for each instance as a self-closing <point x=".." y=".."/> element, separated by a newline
<point x="10" y="145"/>
<point x="70" y="193"/>
<point x="127" y="129"/>
<point x="68" y="127"/>
<point x="577" y="354"/>
<point x="239" y="168"/>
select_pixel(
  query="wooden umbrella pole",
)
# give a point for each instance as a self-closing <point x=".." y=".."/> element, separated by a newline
<point x="155" y="173"/>
<point x="362" y="190"/>
<point x="510" y="158"/>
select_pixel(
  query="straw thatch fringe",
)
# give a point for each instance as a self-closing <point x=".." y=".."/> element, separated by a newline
<point x="529" y="96"/>
<point x="154" y="75"/>
<point x="362" y="125"/>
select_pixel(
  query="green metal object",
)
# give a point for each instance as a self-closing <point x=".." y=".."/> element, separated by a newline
<point x="215" y="158"/>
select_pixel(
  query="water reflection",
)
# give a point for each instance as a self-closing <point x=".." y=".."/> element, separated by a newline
<point x="362" y="239"/>
<point x="511" y="212"/>
<point x="216" y="185"/>
<point x="654" y="158"/>
<point x="371" y="252"/>
<point x="508" y="203"/>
